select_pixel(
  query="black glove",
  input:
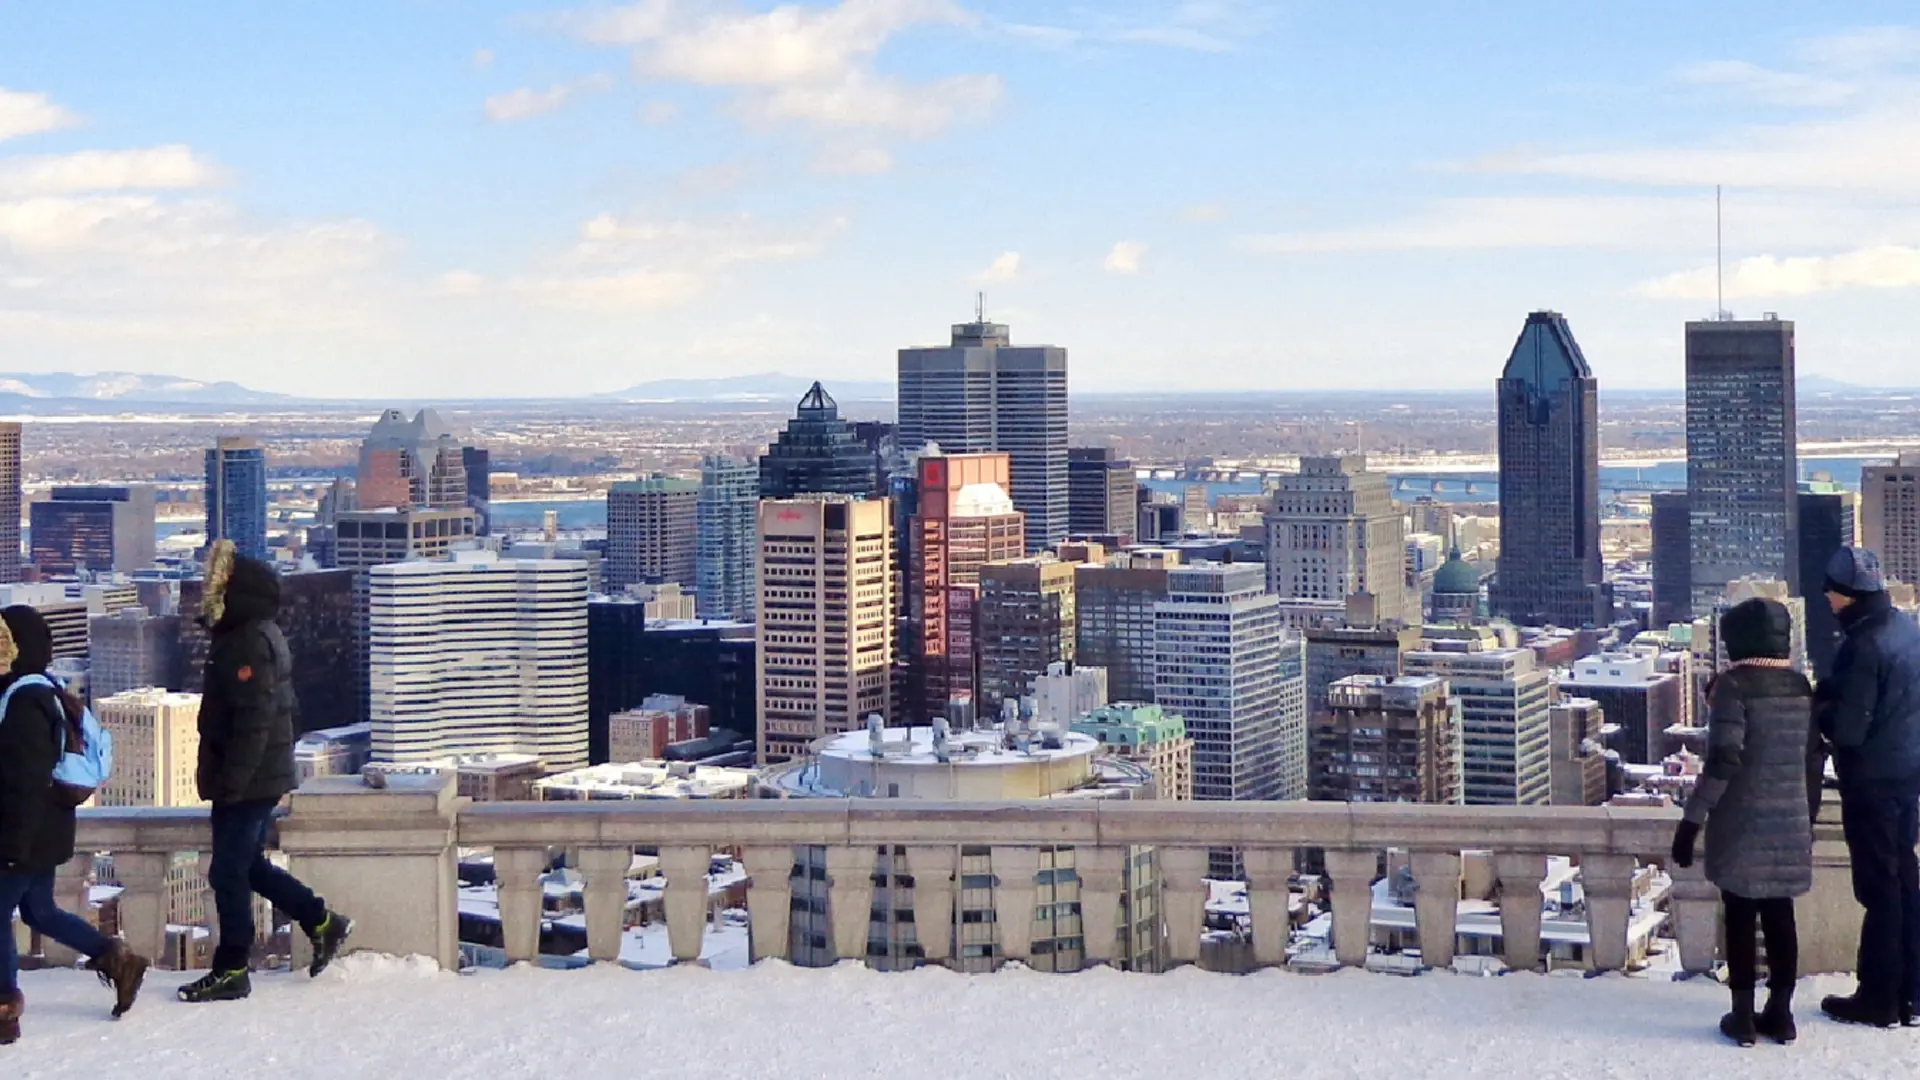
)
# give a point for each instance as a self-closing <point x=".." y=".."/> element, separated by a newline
<point x="1683" y="839"/>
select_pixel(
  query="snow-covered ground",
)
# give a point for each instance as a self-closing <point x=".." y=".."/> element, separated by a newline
<point x="380" y="1017"/>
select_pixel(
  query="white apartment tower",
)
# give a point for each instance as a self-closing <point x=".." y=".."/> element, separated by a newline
<point x="1506" y="707"/>
<point x="725" y="518"/>
<point x="1335" y="531"/>
<point x="478" y="654"/>
<point x="825" y="631"/>
<point x="156" y="747"/>
<point x="1219" y="644"/>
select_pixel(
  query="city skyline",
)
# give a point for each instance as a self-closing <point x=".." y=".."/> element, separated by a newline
<point x="570" y="200"/>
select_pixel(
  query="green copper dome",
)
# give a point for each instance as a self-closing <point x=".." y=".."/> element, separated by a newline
<point x="1456" y="576"/>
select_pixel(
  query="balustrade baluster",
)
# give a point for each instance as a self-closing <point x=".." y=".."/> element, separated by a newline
<point x="516" y="880"/>
<point x="933" y="867"/>
<point x="1268" y="871"/>
<point x="605" y="871"/>
<point x="1520" y="875"/>
<point x="1184" y="898"/>
<point x="1607" y="881"/>
<point x="143" y="899"/>
<point x="1013" y="898"/>
<point x="1436" y="904"/>
<point x="1695" y="908"/>
<point x="1352" y="874"/>
<point x="850" y="898"/>
<point x="769" y="899"/>
<point x="687" y="895"/>
<point x="1102" y="872"/>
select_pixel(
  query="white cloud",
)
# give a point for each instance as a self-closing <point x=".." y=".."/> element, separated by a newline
<point x="864" y="100"/>
<point x="611" y="294"/>
<point x="1204" y="213"/>
<point x="1769" y="86"/>
<point x="1888" y="266"/>
<point x="483" y="59"/>
<point x="1005" y="267"/>
<point x="1125" y="257"/>
<point x="1212" y="26"/>
<point x="853" y="161"/>
<point x="1177" y="37"/>
<point x="1866" y="49"/>
<point x="655" y="113"/>
<point x="158" y="168"/>
<point x="460" y="283"/>
<point x="526" y="103"/>
<point x="23" y="113"/>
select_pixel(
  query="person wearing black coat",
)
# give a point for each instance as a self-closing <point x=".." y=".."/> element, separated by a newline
<point x="37" y="822"/>
<point x="248" y="723"/>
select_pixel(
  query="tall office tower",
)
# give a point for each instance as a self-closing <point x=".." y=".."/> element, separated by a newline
<point x="415" y="462"/>
<point x="94" y="528"/>
<point x="1549" y="569"/>
<point x="1334" y="531"/>
<point x="478" y="464"/>
<point x="819" y="453"/>
<point x="10" y="481"/>
<point x="630" y="659"/>
<point x="1672" y="560"/>
<point x="1292" y="672"/>
<point x="1639" y="699"/>
<point x="478" y="654"/>
<point x="1826" y="526"/>
<point x="981" y="394"/>
<point x="1429" y="515"/>
<point x="156" y="747"/>
<point x="1219" y="645"/>
<point x="653" y="532"/>
<point x="1505" y="702"/>
<point x="131" y="650"/>
<point x="364" y="539"/>
<point x="1579" y="760"/>
<point x="1025" y="624"/>
<point x="825" y="640"/>
<point x="963" y="520"/>
<point x="724" y="516"/>
<point x="1100" y="492"/>
<point x="1114" y="602"/>
<point x="1889" y="515"/>
<point x="1388" y="740"/>
<point x="1356" y="646"/>
<point x="236" y="495"/>
<point x="1742" y="457"/>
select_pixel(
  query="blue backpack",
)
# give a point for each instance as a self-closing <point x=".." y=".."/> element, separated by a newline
<point x="82" y="771"/>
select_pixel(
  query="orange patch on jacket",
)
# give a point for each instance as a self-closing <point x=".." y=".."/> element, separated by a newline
<point x="245" y="674"/>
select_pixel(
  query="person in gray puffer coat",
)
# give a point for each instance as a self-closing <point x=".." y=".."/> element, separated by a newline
<point x="1752" y="799"/>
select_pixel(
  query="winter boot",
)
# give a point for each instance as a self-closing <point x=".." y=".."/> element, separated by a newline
<point x="218" y="986"/>
<point x="124" y="970"/>
<point x="1854" y="1009"/>
<point x="1738" y="1024"/>
<point x="327" y="939"/>
<point x="1908" y="1017"/>
<point x="12" y="1004"/>
<point x="1776" y="1020"/>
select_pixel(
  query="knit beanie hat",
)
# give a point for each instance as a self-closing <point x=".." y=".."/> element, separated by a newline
<point x="1855" y="572"/>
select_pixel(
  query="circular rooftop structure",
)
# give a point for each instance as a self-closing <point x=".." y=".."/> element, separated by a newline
<point x="985" y="765"/>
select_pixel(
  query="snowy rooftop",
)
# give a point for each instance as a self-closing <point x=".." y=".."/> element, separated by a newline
<point x="985" y="746"/>
<point x="379" y="1017"/>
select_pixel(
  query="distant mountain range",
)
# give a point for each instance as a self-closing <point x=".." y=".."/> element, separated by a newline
<point x="126" y="387"/>
<point x="770" y="386"/>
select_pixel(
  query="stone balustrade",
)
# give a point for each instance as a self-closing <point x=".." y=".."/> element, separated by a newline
<point x="389" y="857"/>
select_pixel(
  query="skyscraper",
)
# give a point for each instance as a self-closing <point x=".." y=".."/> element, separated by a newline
<point x="1826" y="526"/>
<point x="1549" y="571"/>
<point x="1639" y="700"/>
<point x="825" y="635"/>
<point x="819" y="453"/>
<point x="652" y="532"/>
<point x="1219" y="642"/>
<point x="415" y="462"/>
<point x="1100" y="492"/>
<point x="10" y="479"/>
<point x="1335" y="531"/>
<point x="1505" y="704"/>
<point x="963" y="520"/>
<point x="1890" y="516"/>
<point x="1025" y="624"/>
<point x="1742" y="455"/>
<point x="365" y="539"/>
<point x="236" y="495"/>
<point x="156" y="744"/>
<point x="479" y="468"/>
<point x="1385" y="739"/>
<point x="981" y="394"/>
<point x="1672" y="560"/>
<point x="724" y="521"/>
<point x="96" y="528"/>
<point x="1576" y="727"/>
<point x="130" y="650"/>
<point x="1114" y="603"/>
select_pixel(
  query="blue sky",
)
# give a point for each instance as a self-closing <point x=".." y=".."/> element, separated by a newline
<point x="421" y="197"/>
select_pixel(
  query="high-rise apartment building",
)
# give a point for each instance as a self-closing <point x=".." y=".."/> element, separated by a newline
<point x="1219" y="658"/>
<point x="1742" y="455"/>
<point x="94" y="528"/>
<point x="1672" y="559"/>
<point x="1504" y="700"/>
<point x="415" y="462"/>
<point x="1549" y="420"/>
<point x="1335" y="531"/>
<point x="130" y="650"/>
<point x="1101" y="498"/>
<point x="1889" y="516"/>
<point x="476" y="654"/>
<point x="1342" y="650"/>
<point x="10" y="486"/>
<point x="364" y="539"/>
<point x="963" y="519"/>
<point x="1640" y="702"/>
<point x="979" y="394"/>
<point x="1114" y="602"/>
<point x="724" y="520"/>
<point x="825" y="634"/>
<point x="819" y="453"/>
<point x="156" y="748"/>
<point x="236" y="495"/>
<point x="1025" y="625"/>
<point x="653" y="532"/>
<point x="1388" y="740"/>
<point x="1827" y="513"/>
<point x="1576" y="745"/>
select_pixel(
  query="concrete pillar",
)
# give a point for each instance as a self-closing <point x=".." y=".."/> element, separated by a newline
<point x="70" y="892"/>
<point x="1102" y="872"/>
<point x="686" y="869"/>
<point x="1520" y="873"/>
<point x="604" y="871"/>
<point x="1352" y="874"/>
<point x="1013" y="896"/>
<point x="933" y="867"/>
<point x="1607" y="881"/>
<point x="1184" y="899"/>
<point x="1695" y="909"/>
<point x="143" y="900"/>
<point x="1267" y="872"/>
<point x="769" y="898"/>
<point x="1829" y="917"/>
<point x="850" y="898"/>
<point x="516" y="882"/>
<point x="1436" y="905"/>
<point x="385" y="857"/>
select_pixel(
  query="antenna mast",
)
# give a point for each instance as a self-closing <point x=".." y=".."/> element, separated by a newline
<point x="1719" y="262"/>
<point x="980" y="307"/>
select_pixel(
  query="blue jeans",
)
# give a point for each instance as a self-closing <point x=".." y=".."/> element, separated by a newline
<point x="240" y="868"/>
<point x="32" y="894"/>
<point x="1882" y="829"/>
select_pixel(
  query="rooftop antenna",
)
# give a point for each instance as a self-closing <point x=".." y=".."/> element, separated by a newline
<point x="980" y="307"/>
<point x="1719" y="262"/>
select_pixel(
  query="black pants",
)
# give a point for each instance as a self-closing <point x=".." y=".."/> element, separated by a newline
<point x="1881" y="830"/>
<point x="1775" y="919"/>
<point x="239" y="869"/>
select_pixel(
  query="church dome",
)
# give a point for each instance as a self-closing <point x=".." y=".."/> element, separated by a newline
<point x="1456" y="576"/>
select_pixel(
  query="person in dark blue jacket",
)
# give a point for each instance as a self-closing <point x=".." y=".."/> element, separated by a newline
<point x="1869" y="712"/>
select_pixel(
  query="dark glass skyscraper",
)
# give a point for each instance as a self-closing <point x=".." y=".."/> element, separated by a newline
<point x="1826" y="526"/>
<point x="1550" y="568"/>
<point x="1100" y="492"/>
<point x="479" y="486"/>
<point x="1672" y="560"/>
<point x="1742" y="456"/>
<point x="237" y="495"/>
<point x="819" y="453"/>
